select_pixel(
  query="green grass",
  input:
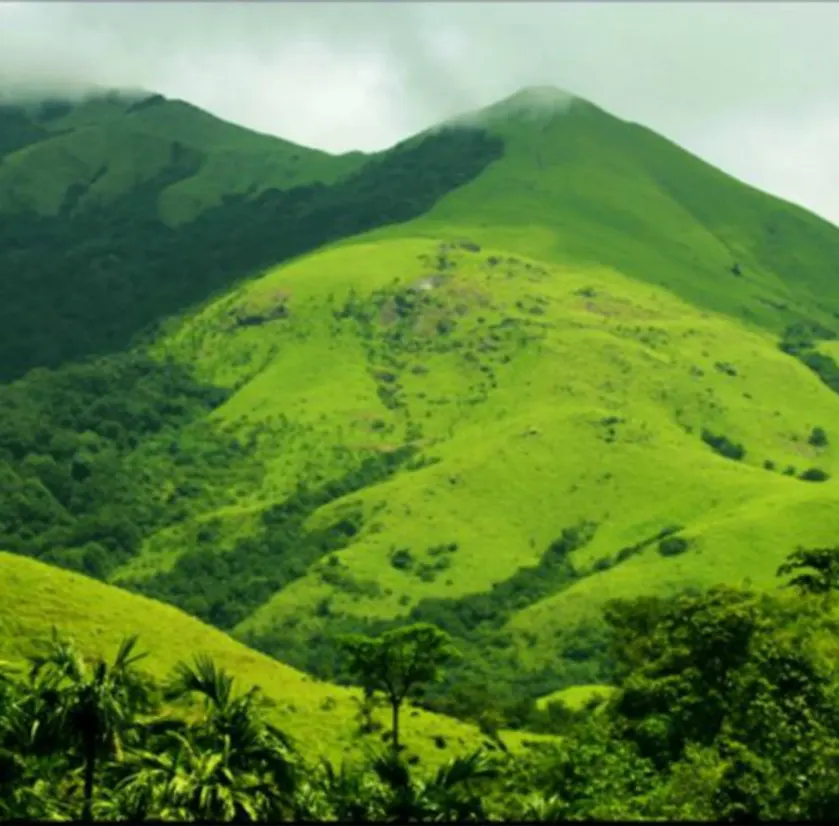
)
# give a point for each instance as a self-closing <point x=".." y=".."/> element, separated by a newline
<point x="530" y="456"/>
<point x="319" y="716"/>
<point x="112" y="148"/>
<point x="577" y="697"/>
<point x="585" y="187"/>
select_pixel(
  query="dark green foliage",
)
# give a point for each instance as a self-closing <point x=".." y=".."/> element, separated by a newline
<point x="475" y="624"/>
<point x="398" y="664"/>
<point x="723" y="445"/>
<point x="672" y="546"/>
<point x="816" y="569"/>
<point x="818" y="437"/>
<point x="726" y="368"/>
<point x="70" y="444"/>
<point x="725" y="709"/>
<point x="631" y="550"/>
<point x="402" y="560"/>
<point x="91" y="280"/>
<point x="554" y="572"/>
<point x="223" y="587"/>
<point x="814" y="474"/>
<point x="17" y="129"/>
<point x="800" y="340"/>
<point x="715" y="635"/>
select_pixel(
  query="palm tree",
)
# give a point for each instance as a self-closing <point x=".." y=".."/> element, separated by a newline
<point x="189" y="779"/>
<point x="349" y="794"/>
<point x="91" y="706"/>
<point x="448" y="796"/>
<point x="538" y="808"/>
<point x="244" y="753"/>
<point x="140" y="781"/>
<point x="11" y="761"/>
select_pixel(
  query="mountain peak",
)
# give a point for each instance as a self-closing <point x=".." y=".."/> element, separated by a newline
<point x="537" y="97"/>
<point x="532" y="103"/>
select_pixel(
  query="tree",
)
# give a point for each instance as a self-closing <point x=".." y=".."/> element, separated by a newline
<point x="818" y="437"/>
<point x="93" y="706"/>
<point x="398" y="663"/>
<point x="253" y="757"/>
<point x="452" y="795"/>
<point x="674" y="660"/>
<point x="817" y="571"/>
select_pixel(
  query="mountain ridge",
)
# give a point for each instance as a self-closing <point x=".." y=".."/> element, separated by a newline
<point x="490" y="378"/>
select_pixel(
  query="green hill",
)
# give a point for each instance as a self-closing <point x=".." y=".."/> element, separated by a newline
<point x="72" y="155"/>
<point x="514" y="367"/>
<point x="322" y="718"/>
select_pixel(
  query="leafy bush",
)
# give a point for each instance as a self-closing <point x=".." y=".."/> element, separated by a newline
<point x="818" y="437"/>
<point x="402" y="560"/>
<point x="814" y="475"/>
<point x="673" y="545"/>
<point x="723" y="445"/>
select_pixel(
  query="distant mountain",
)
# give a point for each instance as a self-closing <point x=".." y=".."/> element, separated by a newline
<point x="61" y="156"/>
<point x="522" y="363"/>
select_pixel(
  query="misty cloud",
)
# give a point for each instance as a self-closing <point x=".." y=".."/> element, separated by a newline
<point x="753" y="88"/>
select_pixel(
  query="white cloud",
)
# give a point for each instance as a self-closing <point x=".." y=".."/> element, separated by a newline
<point x="751" y="87"/>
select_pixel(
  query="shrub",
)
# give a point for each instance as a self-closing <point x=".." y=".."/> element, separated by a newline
<point x="814" y="474"/>
<point x="673" y="545"/>
<point x="818" y="437"/>
<point x="402" y="560"/>
<point x="723" y="445"/>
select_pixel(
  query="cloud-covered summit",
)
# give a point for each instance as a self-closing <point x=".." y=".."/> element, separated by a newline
<point x="753" y="88"/>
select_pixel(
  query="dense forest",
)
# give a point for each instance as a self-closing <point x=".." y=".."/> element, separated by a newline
<point x="725" y="708"/>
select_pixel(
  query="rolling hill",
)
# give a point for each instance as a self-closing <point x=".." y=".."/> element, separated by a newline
<point x="60" y="157"/>
<point x="523" y="363"/>
<point x="321" y="718"/>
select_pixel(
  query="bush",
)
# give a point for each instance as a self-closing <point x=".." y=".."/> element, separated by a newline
<point x="818" y="437"/>
<point x="673" y="545"/>
<point x="723" y="445"/>
<point x="814" y="474"/>
<point x="402" y="560"/>
<point x="604" y="564"/>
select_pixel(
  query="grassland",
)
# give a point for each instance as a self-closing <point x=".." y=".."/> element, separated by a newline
<point x="558" y="396"/>
<point x="321" y="718"/>
<point x="584" y="335"/>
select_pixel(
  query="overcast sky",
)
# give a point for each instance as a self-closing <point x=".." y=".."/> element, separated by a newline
<point x="752" y="87"/>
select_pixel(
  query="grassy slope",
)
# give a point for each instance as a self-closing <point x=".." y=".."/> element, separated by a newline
<point x="577" y="697"/>
<point x="640" y="317"/>
<point x="581" y="186"/>
<point x="620" y="303"/>
<point x="529" y="457"/>
<point x="34" y="597"/>
<point x="113" y="147"/>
